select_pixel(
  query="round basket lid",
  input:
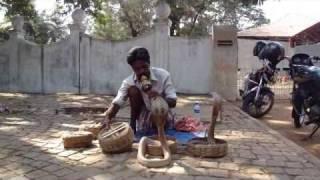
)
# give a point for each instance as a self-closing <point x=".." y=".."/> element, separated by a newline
<point x="114" y="128"/>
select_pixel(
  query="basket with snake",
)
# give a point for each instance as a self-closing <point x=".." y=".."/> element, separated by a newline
<point x="159" y="113"/>
<point x="209" y="146"/>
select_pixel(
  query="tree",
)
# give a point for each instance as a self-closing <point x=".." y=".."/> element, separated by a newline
<point x="196" y="17"/>
<point x="137" y="14"/>
<point x="18" y="7"/>
<point x="47" y="28"/>
<point x="42" y="28"/>
<point x="189" y="18"/>
<point x="122" y="19"/>
<point x="91" y="7"/>
<point x="110" y="27"/>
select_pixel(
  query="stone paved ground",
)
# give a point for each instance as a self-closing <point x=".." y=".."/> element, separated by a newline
<point x="31" y="147"/>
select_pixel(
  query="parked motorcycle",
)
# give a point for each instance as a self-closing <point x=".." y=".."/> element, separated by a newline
<point x="257" y="97"/>
<point x="306" y="91"/>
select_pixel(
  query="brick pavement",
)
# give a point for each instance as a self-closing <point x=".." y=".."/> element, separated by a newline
<point x="31" y="147"/>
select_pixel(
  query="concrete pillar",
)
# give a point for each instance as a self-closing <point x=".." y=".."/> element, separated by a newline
<point x="225" y="54"/>
<point x="161" y="37"/>
<point x="77" y="29"/>
<point x="16" y="35"/>
<point x="18" y="31"/>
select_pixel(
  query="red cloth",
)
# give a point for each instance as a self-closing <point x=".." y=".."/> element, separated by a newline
<point x="189" y="124"/>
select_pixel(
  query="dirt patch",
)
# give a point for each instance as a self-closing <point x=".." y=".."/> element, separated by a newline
<point x="279" y="119"/>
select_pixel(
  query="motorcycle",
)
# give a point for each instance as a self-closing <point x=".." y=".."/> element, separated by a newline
<point x="305" y="91"/>
<point x="257" y="97"/>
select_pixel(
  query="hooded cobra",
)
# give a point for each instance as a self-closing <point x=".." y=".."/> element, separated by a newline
<point x="159" y="114"/>
<point x="216" y="111"/>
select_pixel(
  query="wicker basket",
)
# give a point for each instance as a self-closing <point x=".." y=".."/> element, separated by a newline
<point x="93" y="128"/>
<point x="154" y="147"/>
<point x="117" y="139"/>
<point x="77" y="139"/>
<point x="199" y="147"/>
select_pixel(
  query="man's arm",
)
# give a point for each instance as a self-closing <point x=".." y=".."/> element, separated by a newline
<point x="117" y="102"/>
<point x="112" y="111"/>
<point x="170" y="92"/>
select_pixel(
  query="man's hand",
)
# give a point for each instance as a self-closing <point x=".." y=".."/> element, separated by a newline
<point x="171" y="102"/>
<point x="106" y="122"/>
<point x="110" y="114"/>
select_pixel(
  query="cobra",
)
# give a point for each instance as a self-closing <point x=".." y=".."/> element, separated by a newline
<point x="216" y="111"/>
<point x="159" y="114"/>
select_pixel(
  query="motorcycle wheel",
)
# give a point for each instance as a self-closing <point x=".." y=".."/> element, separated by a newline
<point x="259" y="108"/>
<point x="296" y="119"/>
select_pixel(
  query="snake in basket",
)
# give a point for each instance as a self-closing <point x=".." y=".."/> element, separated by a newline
<point x="216" y="111"/>
<point x="159" y="114"/>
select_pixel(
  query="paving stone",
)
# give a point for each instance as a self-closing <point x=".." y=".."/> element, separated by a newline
<point x="294" y="171"/>
<point x="31" y="155"/>
<point x="229" y="166"/>
<point x="218" y="173"/>
<point x="197" y="172"/>
<point x="275" y="163"/>
<point x="275" y="170"/>
<point x="39" y="164"/>
<point x="75" y="175"/>
<point x="239" y="175"/>
<point x="102" y="164"/>
<point x="19" y="178"/>
<point x="176" y="170"/>
<point x="279" y="177"/>
<point x="126" y="174"/>
<point x="294" y="165"/>
<point x="117" y="167"/>
<point x="77" y="156"/>
<point x="12" y="166"/>
<point x="135" y="167"/>
<point x="52" y="168"/>
<point x="36" y="174"/>
<point x="306" y="178"/>
<point x="105" y="176"/>
<point x="54" y="150"/>
<point x="311" y="172"/>
<point x="260" y="176"/>
<point x="165" y="177"/>
<point x="91" y="159"/>
<point x="138" y="178"/>
<point x="158" y="170"/>
<point x="44" y="157"/>
<point x="207" y="164"/>
<point x="66" y="153"/>
<point x="50" y="177"/>
<point x="62" y="172"/>
<point x="253" y="170"/>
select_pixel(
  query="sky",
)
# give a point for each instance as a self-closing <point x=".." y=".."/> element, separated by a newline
<point x="274" y="9"/>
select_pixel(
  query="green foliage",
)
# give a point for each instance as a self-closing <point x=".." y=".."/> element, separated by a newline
<point x="137" y="15"/>
<point x="123" y="19"/>
<point x="92" y="7"/>
<point x="196" y="17"/>
<point x="41" y="28"/>
<point x="14" y="7"/>
<point x="107" y="26"/>
<point x="45" y="28"/>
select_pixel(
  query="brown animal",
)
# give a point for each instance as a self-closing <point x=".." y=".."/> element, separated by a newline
<point x="159" y="114"/>
<point x="216" y="111"/>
